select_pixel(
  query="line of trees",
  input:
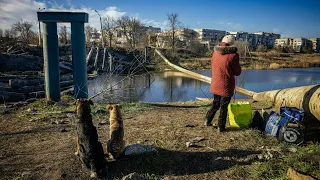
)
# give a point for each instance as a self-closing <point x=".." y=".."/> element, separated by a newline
<point x="23" y="32"/>
<point x="132" y="30"/>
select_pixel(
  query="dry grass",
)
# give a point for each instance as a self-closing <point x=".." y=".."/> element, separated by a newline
<point x="37" y="149"/>
<point x="259" y="60"/>
<point x="274" y="66"/>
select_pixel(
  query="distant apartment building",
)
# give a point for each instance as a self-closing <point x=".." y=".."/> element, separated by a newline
<point x="245" y="36"/>
<point x="95" y="36"/>
<point x="255" y="39"/>
<point x="152" y="29"/>
<point x="210" y="35"/>
<point x="145" y="32"/>
<point x="183" y="37"/>
<point x="301" y="44"/>
<point x="283" y="42"/>
<point x="266" y="38"/>
<point x="315" y="44"/>
<point x="185" y="34"/>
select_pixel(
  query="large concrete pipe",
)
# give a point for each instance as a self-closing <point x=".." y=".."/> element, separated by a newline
<point x="303" y="97"/>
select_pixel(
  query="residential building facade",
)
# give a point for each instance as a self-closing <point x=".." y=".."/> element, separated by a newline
<point x="301" y="44"/>
<point x="266" y="38"/>
<point x="315" y="44"/>
<point x="283" y="42"/>
<point x="210" y="35"/>
<point x="245" y="36"/>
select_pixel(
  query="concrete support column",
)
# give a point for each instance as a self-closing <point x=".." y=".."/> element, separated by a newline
<point x="80" y="75"/>
<point x="51" y="61"/>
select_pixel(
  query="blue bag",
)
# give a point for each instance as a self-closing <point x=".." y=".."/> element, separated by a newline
<point x="275" y="121"/>
<point x="294" y="114"/>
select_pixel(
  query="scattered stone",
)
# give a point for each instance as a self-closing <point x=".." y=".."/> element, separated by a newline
<point x="59" y="122"/>
<point x="135" y="149"/>
<point x="30" y="110"/>
<point x="24" y="174"/>
<point x="141" y="141"/>
<point x="192" y="144"/>
<point x="197" y="139"/>
<point x="132" y="176"/>
<point x="260" y="156"/>
<point x="294" y="175"/>
<point x="292" y="149"/>
<point x="218" y="158"/>
<point x="62" y="122"/>
<point x="268" y="155"/>
<point x="64" y="130"/>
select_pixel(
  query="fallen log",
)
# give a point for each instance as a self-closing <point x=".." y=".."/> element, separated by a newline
<point x="89" y="55"/>
<point x="11" y="96"/>
<point x="202" y="78"/>
<point x="41" y="94"/>
<point x="18" y="83"/>
<point x="6" y="89"/>
<point x="95" y="65"/>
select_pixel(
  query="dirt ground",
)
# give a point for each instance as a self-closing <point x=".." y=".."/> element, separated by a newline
<point x="37" y="144"/>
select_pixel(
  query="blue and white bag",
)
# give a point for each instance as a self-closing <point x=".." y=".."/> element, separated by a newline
<point x="275" y="122"/>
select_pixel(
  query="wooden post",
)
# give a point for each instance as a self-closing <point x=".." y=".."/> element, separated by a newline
<point x="103" y="59"/>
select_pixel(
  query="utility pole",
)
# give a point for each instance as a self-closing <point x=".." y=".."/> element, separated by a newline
<point x="102" y="39"/>
<point x="40" y="39"/>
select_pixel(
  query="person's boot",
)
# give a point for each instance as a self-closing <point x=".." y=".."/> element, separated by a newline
<point x="207" y="123"/>
<point x="220" y="130"/>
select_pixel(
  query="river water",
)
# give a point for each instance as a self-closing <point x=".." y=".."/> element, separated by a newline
<point x="174" y="86"/>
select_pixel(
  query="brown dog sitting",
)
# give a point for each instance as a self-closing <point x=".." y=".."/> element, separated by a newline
<point x="89" y="149"/>
<point x="115" y="144"/>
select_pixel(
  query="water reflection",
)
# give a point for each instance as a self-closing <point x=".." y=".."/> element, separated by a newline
<point x="176" y="86"/>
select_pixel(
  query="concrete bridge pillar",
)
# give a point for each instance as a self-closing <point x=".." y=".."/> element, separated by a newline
<point x="51" y="61"/>
<point x="80" y="75"/>
<point x="51" y="52"/>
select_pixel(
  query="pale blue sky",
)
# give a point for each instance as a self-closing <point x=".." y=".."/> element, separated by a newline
<point x="290" y="18"/>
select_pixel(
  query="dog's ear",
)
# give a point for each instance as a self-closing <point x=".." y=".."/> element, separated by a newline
<point x="118" y="106"/>
<point x="109" y="106"/>
<point x="90" y="101"/>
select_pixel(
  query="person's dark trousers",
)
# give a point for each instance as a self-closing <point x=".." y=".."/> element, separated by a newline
<point x="219" y="102"/>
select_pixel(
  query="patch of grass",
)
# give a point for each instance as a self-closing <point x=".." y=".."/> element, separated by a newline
<point x="137" y="106"/>
<point x="306" y="160"/>
<point x="274" y="66"/>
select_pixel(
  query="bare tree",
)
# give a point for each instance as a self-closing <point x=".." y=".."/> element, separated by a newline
<point x="7" y="33"/>
<point x="173" y="24"/>
<point x="63" y="35"/>
<point x="109" y="25"/>
<point x="131" y="28"/>
<point x="23" y="28"/>
<point x="88" y="31"/>
<point x="242" y="48"/>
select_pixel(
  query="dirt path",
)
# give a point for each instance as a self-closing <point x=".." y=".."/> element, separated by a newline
<point x="41" y="149"/>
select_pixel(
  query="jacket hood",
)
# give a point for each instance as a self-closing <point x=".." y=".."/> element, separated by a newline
<point x="223" y="48"/>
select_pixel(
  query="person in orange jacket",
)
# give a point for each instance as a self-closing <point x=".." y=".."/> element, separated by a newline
<point x="224" y="66"/>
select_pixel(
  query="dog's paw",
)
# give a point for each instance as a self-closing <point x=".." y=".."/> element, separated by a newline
<point x="93" y="175"/>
